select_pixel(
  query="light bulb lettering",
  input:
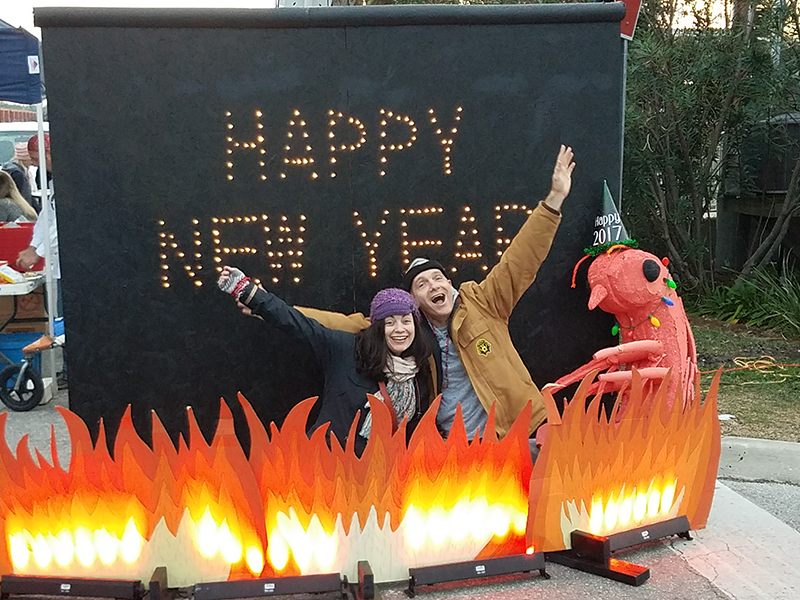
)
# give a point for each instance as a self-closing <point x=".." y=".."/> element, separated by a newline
<point x="369" y="236"/>
<point x="468" y="243"/>
<point x="446" y="136"/>
<point x="171" y="252"/>
<point x="234" y="146"/>
<point x="416" y="216"/>
<point x="299" y="155"/>
<point x="500" y="213"/>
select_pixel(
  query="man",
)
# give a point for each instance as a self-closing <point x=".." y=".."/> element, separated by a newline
<point x="476" y="363"/>
<point x="37" y="249"/>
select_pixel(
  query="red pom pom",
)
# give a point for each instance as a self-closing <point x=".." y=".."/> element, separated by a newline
<point x="665" y="261"/>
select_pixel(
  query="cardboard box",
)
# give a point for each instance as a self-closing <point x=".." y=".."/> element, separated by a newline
<point x="15" y="237"/>
<point x="29" y="306"/>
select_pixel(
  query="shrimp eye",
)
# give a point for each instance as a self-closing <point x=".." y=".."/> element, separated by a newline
<point x="651" y="270"/>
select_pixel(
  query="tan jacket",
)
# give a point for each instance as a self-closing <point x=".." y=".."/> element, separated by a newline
<point x="479" y="325"/>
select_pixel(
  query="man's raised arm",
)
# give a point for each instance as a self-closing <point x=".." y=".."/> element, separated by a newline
<point x="333" y="320"/>
<point x="512" y="276"/>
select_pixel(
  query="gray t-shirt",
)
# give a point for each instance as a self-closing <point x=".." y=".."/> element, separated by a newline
<point x="457" y="389"/>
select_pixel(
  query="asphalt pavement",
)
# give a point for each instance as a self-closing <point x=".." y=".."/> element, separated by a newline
<point x="749" y="550"/>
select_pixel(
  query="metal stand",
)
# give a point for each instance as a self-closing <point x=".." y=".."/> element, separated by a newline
<point x="34" y="585"/>
<point x="365" y="588"/>
<point x="158" y="585"/>
<point x="475" y="569"/>
<point x="592" y="553"/>
<point x="255" y="588"/>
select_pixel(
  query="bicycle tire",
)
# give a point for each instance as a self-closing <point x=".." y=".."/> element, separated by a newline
<point x="31" y="388"/>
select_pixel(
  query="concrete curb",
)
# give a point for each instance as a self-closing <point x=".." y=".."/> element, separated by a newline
<point x="750" y="459"/>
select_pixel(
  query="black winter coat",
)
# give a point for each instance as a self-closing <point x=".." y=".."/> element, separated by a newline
<point x="344" y="392"/>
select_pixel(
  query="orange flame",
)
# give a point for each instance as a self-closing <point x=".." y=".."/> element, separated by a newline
<point x="432" y="501"/>
<point x="96" y="518"/>
<point x="207" y="512"/>
<point x="648" y="464"/>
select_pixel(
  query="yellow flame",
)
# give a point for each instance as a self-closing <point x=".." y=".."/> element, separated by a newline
<point x="653" y="502"/>
<point x="254" y="559"/>
<point x="229" y="544"/>
<point x="639" y="506"/>
<point x="596" y="516"/>
<point x="84" y="547"/>
<point x="106" y="546"/>
<point x="414" y="526"/>
<point x="323" y="544"/>
<point x="479" y="525"/>
<point x="667" y="496"/>
<point x="519" y="520"/>
<point x="207" y="535"/>
<point x="18" y="550"/>
<point x="63" y="547"/>
<point x="625" y="510"/>
<point x="277" y="550"/>
<point x="499" y="520"/>
<point x="41" y="551"/>
<point x="132" y="543"/>
<point x="459" y="516"/>
<point x="611" y="513"/>
<point x="437" y="525"/>
<point x="298" y="542"/>
<point x="302" y="551"/>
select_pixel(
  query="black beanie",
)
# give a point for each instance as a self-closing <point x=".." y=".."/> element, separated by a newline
<point x="418" y="265"/>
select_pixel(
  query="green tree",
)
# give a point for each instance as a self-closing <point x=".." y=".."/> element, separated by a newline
<point x="693" y="94"/>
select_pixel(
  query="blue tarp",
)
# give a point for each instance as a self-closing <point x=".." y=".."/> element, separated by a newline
<point x="20" y="78"/>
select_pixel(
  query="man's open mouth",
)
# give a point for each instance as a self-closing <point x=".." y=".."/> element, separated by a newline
<point x="438" y="299"/>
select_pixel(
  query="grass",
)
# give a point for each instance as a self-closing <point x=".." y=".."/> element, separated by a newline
<point x="763" y="396"/>
<point x="769" y="298"/>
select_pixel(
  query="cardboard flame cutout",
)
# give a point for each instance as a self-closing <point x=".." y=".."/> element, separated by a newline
<point x="654" y="461"/>
<point x="296" y="506"/>
<point x="196" y="509"/>
<point x="431" y="502"/>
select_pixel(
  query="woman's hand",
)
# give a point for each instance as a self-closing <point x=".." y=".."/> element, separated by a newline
<point x="229" y="280"/>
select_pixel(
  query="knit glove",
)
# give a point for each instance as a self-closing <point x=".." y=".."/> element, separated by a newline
<point x="235" y="284"/>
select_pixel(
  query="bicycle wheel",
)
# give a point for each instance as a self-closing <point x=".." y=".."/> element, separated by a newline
<point x="30" y="392"/>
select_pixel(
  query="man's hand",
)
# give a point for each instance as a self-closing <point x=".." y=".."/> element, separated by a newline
<point x="562" y="179"/>
<point x="27" y="258"/>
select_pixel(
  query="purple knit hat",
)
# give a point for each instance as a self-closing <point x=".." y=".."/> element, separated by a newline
<point x="392" y="301"/>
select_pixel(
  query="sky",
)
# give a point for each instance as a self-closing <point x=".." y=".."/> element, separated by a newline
<point x="19" y="13"/>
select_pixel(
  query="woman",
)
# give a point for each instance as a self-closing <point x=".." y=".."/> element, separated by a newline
<point x="388" y="358"/>
<point x="17" y="167"/>
<point x="12" y="204"/>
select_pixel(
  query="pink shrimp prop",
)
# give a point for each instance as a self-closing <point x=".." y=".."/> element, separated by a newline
<point x="639" y="291"/>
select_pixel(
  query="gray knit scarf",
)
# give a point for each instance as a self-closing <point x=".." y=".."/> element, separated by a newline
<point x="400" y="373"/>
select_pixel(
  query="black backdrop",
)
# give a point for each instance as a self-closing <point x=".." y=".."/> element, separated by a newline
<point x="156" y="118"/>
